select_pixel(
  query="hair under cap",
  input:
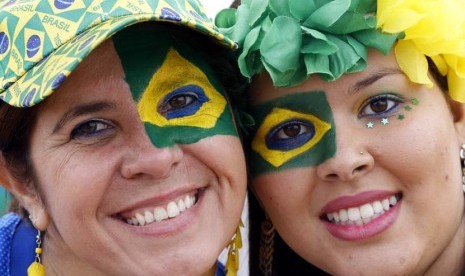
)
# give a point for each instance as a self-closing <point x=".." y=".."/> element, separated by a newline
<point x="43" y="41"/>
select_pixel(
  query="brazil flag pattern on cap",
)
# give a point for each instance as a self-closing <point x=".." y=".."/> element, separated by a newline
<point x="42" y="41"/>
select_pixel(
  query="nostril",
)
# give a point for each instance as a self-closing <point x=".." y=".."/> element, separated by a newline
<point x="332" y="176"/>
<point x="359" y="169"/>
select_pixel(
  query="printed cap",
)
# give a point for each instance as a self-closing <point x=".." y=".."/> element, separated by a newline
<point x="43" y="41"/>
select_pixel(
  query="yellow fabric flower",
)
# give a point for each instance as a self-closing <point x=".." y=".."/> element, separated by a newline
<point x="432" y="28"/>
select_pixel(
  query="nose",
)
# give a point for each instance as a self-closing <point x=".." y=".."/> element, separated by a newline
<point x="152" y="161"/>
<point x="351" y="159"/>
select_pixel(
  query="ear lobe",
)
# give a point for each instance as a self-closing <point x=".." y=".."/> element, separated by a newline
<point x="458" y="114"/>
<point x="27" y="197"/>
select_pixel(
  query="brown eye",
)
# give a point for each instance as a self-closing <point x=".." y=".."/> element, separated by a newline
<point x="180" y="101"/>
<point x="290" y="135"/>
<point x="379" y="106"/>
<point x="290" y="131"/>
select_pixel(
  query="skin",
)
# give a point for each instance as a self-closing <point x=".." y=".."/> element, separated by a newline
<point x="416" y="158"/>
<point x="99" y="165"/>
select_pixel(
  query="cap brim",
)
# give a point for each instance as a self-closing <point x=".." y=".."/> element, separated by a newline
<point x="41" y="80"/>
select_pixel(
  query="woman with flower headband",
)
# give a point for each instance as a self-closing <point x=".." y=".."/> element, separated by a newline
<point x="356" y="155"/>
<point x="114" y="121"/>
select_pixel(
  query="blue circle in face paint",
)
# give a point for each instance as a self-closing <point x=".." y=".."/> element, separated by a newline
<point x="194" y="97"/>
<point x="290" y="135"/>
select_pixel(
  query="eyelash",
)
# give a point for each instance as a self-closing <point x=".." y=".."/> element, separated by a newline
<point x="278" y="139"/>
<point x="91" y="129"/>
<point x="192" y="95"/>
<point x="392" y="101"/>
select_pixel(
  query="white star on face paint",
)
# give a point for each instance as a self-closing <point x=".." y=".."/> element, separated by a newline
<point x="385" y="121"/>
<point x="370" y="125"/>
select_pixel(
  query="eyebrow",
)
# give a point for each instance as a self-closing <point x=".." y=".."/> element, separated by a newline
<point x="82" y="109"/>
<point x="372" y="78"/>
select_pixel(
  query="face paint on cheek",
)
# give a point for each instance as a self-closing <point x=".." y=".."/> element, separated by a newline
<point x="175" y="98"/>
<point x="292" y="131"/>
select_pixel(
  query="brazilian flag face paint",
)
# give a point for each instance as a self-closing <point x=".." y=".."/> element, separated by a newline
<point x="292" y="131"/>
<point x="178" y="98"/>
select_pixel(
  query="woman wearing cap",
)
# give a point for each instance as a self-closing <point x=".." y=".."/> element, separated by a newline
<point x="113" y="140"/>
<point x="357" y="151"/>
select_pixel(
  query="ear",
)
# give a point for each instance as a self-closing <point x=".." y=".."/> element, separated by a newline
<point x="28" y="198"/>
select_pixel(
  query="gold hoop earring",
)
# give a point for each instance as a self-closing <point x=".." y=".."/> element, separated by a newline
<point x="36" y="268"/>
<point x="232" y="264"/>
<point x="266" y="247"/>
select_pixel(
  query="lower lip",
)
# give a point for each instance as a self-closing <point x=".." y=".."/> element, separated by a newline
<point x="365" y="231"/>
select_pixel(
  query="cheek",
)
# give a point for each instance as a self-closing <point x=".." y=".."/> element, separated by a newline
<point x="223" y="155"/>
<point x="285" y="195"/>
<point x="71" y="179"/>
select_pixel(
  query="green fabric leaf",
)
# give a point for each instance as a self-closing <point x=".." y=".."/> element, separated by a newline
<point x="315" y="42"/>
<point x="280" y="7"/>
<point x="318" y="64"/>
<point x="330" y="13"/>
<point x="246" y="61"/>
<point x="374" y="39"/>
<point x="258" y="10"/>
<point x="301" y="9"/>
<point x="282" y="43"/>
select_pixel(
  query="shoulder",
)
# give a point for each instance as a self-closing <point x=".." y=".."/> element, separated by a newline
<point x="17" y="243"/>
<point x="220" y="269"/>
<point x="8" y="225"/>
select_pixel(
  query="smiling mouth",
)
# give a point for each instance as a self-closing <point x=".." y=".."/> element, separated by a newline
<point x="363" y="214"/>
<point x="160" y="213"/>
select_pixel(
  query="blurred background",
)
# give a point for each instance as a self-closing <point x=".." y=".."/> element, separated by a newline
<point x="213" y="6"/>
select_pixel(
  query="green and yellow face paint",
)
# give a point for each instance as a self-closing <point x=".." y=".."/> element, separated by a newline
<point x="178" y="97"/>
<point x="292" y="131"/>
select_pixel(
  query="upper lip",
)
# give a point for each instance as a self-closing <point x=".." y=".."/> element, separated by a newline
<point x="160" y="199"/>
<point x="345" y="202"/>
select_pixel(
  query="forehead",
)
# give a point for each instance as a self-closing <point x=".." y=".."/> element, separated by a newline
<point x="262" y="89"/>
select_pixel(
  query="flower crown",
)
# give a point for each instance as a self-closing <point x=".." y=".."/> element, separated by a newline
<point x="293" y="40"/>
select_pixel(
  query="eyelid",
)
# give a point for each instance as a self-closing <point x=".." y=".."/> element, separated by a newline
<point x="109" y="125"/>
<point x="388" y="95"/>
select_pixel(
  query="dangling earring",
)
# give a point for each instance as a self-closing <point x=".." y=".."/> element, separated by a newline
<point x="36" y="268"/>
<point x="232" y="264"/>
<point x="266" y="247"/>
<point x="462" y="158"/>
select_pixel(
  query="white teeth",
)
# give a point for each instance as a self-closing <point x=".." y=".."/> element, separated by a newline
<point x="140" y="219"/>
<point x="172" y="210"/>
<point x="385" y="204"/>
<point x="393" y="200"/>
<point x="362" y="214"/>
<point x="377" y="207"/>
<point x="366" y="211"/>
<point x="160" y="214"/>
<point x="149" y="217"/>
<point x="181" y="205"/>
<point x="343" y="216"/>
<point x="189" y="201"/>
<point x="329" y="216"/>
<point x="354" y="214"/>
